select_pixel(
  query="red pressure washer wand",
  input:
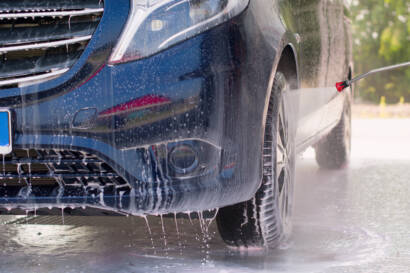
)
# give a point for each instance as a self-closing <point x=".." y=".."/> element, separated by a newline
<point x="340" y="86"/>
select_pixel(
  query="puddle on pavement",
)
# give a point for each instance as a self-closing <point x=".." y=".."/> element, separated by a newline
<point x="125" y="244"/>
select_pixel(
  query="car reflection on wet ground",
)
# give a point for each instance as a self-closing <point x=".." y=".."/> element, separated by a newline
<point x="352" y="220"/>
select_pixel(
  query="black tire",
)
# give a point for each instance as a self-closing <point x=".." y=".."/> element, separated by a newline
<point x="264" y="221"/>
<point x="333" y="152"/>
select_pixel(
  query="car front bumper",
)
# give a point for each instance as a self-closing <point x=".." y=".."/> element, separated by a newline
<point x="207" y="93"/>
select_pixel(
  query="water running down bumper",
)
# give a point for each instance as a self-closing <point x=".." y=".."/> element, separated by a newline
<point x="112" y="137"/>
<point x="113" y="151"/>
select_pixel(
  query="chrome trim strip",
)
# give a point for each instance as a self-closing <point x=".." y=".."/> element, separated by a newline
<point x="50" y="14"/>
<point x="40" y="77"/>
<point x="45" y="44"/>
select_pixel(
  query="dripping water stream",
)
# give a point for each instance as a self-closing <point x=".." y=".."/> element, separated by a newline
<point x="149" y="232"/>
<point x="164" y="234"/>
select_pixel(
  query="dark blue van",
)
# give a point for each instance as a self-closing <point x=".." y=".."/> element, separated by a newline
<point x="159" y="106"/>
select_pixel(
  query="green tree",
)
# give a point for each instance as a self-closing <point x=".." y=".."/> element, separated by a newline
<point x="381" y="32"/>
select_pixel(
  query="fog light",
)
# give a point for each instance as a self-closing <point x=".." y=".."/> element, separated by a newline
<point x="183" y="159"/>
<point x="157" y="25"/>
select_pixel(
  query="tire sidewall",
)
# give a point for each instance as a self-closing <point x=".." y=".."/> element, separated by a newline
<point x="284" y="227"/>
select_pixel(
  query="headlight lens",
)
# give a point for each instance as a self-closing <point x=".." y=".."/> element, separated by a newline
<point x="154" y="25"/>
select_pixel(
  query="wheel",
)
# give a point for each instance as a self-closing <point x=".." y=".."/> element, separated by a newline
<point x="333" y="152"/>
<point x="264" y="221"/>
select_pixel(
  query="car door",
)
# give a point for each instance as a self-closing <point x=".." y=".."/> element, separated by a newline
<point x="309" y="23"/>
<point x="339" y="58"/>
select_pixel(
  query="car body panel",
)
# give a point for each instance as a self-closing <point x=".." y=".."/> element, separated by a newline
<point x="210" y="92"/>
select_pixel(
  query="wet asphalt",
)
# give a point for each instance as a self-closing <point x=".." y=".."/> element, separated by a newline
<point x="351" y="220"/>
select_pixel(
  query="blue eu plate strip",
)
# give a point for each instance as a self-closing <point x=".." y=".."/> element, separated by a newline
<point x="4" y="129"/>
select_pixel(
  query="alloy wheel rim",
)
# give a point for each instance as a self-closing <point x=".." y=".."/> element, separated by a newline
<point x="283" y="168"/>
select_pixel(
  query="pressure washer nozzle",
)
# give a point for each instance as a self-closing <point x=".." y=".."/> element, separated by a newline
<point x="340" y="86"/>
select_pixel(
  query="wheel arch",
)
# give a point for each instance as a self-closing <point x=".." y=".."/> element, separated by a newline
<point x="288" y="65"/>
<point x="286" y="61"/>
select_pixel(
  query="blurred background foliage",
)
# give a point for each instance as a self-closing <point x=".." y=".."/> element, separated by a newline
<point x="381" y="37"/>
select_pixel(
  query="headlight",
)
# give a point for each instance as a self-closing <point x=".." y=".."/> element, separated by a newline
<point x="154" y="25"/>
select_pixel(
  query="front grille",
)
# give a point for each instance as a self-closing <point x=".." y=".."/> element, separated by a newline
<point x="42" y="39"/>
<point x="48" y="172"/>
